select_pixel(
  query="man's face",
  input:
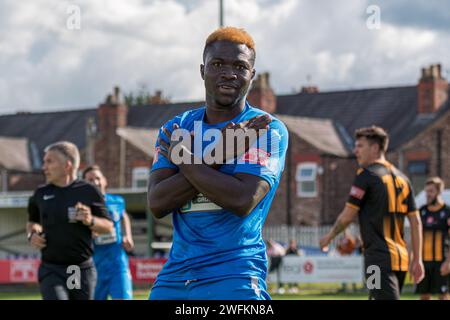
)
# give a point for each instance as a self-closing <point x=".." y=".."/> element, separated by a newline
<point x="55" y="167"/>
<point x="365" y="151"/>
<point x="96" y="178"/>
<point x="227" y="72"/>
<point x="431" y="193"/>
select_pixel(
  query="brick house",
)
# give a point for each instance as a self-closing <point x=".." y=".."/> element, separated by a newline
<point x="320" y="167"/>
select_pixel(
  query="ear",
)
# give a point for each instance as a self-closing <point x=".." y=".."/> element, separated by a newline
<point x="68" y="166"/>
<point x="253" y="73"/>
<point x="202" y="71"/>
<point x="376" y="148"/>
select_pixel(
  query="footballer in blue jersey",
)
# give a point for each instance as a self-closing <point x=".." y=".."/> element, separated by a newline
<point x="110" y="256"/>
<point x="218" y="207"/>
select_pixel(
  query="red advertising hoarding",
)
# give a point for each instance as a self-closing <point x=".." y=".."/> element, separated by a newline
<point x="25" y="270"/>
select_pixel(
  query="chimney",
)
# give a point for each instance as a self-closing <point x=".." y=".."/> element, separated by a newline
<point x="261" y="94"/>
<point x="432" y="89"/>
<point x="309" y="89"/>
<point x="112" y="114"/>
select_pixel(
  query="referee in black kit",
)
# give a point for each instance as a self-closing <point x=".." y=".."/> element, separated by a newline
<point x="62" y="216"/>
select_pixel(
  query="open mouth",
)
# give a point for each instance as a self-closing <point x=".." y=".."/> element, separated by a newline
<point x="224" y="88"/>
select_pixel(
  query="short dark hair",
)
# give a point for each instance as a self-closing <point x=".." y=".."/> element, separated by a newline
<point x="437" y="182"/>
<point x="374" y="134"/>
<point x="93" y="167"/>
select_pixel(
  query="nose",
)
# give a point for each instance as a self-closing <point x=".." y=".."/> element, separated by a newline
<point x="227" y="73"/>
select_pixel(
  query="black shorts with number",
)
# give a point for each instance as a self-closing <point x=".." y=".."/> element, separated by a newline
<point x="433" y="282"/>
<point x="391" y="284"/>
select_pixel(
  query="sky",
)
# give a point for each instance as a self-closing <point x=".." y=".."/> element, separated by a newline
<point x="62" y="55"/>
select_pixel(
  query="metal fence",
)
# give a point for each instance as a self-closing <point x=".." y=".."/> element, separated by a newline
<point x="307" y="236"/>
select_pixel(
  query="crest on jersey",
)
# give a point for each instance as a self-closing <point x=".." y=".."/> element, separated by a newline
<point x="256" y="156"/>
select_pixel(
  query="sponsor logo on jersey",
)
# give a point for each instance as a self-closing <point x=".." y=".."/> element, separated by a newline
<point x="48" y="196"/>
<point x="198" y="204"/>
<point x="357" y="193"/>
<point x="107" y="238"/>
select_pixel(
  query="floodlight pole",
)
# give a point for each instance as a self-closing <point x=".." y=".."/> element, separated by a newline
<point x="221" y="13"/>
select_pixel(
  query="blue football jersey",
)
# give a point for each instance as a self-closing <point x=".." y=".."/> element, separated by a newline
<point x="210" y="241"/>
<point x="109" y="254"/>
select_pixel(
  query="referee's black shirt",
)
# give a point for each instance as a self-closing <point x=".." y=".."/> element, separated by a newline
<point x="68" y="242"/>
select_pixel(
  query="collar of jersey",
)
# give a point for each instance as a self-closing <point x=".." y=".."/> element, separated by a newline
<point x="222" y="124"/>
<point x="436" y="210"/>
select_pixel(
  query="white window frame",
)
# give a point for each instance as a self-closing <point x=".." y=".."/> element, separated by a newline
<point x="139" y="174"/>
<point x="312" y="178"/>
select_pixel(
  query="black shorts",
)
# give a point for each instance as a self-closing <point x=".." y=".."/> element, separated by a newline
<point x="58" y="282"/>
<point x="433" y="282"/>
<point x="391" y="284"/>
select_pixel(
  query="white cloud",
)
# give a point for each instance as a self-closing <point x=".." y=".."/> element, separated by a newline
<point x="44" y="65"/>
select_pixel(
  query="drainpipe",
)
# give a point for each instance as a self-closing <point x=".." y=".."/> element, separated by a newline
<point x="439" y="153"/>
<point x="122" y="163"/>
<point x="4" y="176"/>
<point x="288" y="190"/>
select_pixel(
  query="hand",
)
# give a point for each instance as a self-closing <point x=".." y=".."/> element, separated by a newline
<point x="38" y="241"/>
<point x="128" y="243"/>
<point x="445" y="268"/>
<point x="245" y="138"/>
<point x="84" y="214"/>
<point x="166" y="149"/>
<point x="417" y="270"/>
<point x="325" y="242"/>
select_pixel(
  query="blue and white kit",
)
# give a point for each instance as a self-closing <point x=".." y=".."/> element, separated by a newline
<point x="215" y="253"/>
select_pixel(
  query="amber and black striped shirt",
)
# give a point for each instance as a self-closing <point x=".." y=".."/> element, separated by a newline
<point x="384" y="197"/>
<point x="436" y="226"/>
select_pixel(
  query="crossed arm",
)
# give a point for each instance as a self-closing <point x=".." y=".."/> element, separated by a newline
<point x="169" y="190"/>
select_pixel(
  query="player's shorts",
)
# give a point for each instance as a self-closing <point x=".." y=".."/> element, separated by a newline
<point x="391" y="284"/>
<point x="58" y="282"/>
<point x="230" y="288"/>
<point x="433" y="282"/>
<point x="117" y="286"/>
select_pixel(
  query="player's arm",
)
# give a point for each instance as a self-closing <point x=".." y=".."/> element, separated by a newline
<point x="445" y="266"/>
<point x="417" y="269"/>
<point x="127" y="236"/>
<point x="351" y="209"/>
<point x="33" y="227"/>
<point x="347" y="216"/>
<point x="239" y="193"/>
<point x="168" y="190"/>
<point x="95" y="216"/>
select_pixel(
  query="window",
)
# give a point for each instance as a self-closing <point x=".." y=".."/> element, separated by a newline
<point x="418" y="172"/>
<point x="140" y="177"/>
<point x="306" y="178"/>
